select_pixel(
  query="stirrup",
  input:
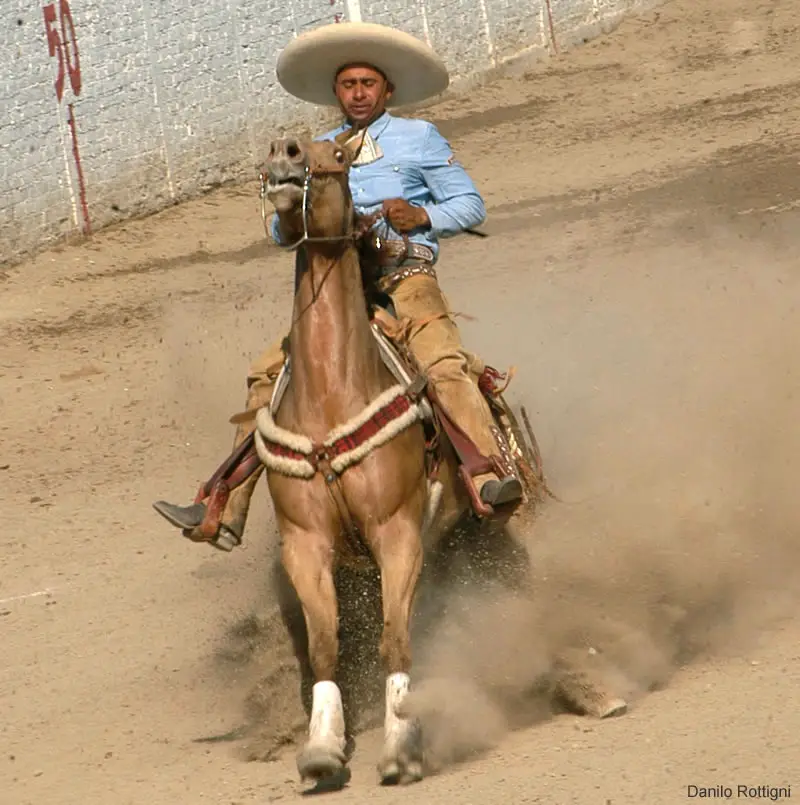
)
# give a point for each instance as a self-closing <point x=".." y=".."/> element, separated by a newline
<point x="227" y="539"/>
<point x="189" y="518"/>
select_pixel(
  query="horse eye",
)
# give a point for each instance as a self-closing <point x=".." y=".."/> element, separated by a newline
<point x="339" y="156"/>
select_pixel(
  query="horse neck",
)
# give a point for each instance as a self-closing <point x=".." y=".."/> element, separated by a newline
<point x="336" y="365"/>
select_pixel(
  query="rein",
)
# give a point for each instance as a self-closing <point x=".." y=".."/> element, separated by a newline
<point x="355" y="230"/>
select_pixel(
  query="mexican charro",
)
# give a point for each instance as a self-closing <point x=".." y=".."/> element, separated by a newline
<point x="377" y="428"/>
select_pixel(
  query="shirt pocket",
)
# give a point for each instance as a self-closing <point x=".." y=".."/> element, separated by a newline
<point x="388" y="181"/>
<point x="402" y="180"/>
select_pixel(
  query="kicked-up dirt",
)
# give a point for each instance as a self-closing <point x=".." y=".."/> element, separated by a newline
<point x="641" y="274"/>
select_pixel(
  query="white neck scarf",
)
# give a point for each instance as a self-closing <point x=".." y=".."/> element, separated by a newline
<point x="369" y="151"/>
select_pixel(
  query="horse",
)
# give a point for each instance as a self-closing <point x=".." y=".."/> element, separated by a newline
<point x="362" y="463"/>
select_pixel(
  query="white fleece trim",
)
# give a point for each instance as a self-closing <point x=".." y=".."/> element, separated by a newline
<point x="267" y="430"/>
<point x="384" y="435"/>
<point x="293" y="467"/>
<point x="352" y="425"/>
<point x="272" y="432"/>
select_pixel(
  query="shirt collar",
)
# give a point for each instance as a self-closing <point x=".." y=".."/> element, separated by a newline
<point x="376" y="128"/>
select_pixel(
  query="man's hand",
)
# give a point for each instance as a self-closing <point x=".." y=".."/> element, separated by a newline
<point x="403" y="216"/>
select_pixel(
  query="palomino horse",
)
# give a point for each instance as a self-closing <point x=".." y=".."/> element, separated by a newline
<point x="346" y="455"/>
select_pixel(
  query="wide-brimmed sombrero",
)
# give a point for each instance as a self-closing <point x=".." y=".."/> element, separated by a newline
<point x="307" y="66"/>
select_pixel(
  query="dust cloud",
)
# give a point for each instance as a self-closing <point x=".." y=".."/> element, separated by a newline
<point x="674" y="538"/>
<point x="677" y="535"/>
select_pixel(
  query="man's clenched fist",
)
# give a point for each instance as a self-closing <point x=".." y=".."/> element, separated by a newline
<point x="403" y="216"/>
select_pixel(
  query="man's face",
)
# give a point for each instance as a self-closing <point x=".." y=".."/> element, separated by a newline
<point x="362" y="93"/>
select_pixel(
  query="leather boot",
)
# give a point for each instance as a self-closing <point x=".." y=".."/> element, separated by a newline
<point x="232" y="523"/>
<point x="499" y="491"/>
<point x="237" y="507"/>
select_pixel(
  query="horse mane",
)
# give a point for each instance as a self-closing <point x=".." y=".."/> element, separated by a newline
<point x="368" y="260"/>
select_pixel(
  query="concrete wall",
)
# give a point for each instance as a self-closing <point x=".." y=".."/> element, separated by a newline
<point x="112" y="109"/>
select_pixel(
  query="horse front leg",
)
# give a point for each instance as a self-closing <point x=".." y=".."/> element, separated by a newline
<point x="308" y="560"/>
<point x="397" y="547"/>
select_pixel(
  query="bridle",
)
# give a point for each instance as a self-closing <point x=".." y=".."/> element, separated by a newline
<point x="312" y="171"/>
<point x="353" y="230"/>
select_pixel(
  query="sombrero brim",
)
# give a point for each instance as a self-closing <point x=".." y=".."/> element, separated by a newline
<point x="307" y="66"/>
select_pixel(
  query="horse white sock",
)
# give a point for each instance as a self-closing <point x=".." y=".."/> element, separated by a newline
<point x="327" y="713"/>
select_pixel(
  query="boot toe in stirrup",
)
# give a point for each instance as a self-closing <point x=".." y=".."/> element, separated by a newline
<point x="497" y="493"/>
<point x="185" y="517"/>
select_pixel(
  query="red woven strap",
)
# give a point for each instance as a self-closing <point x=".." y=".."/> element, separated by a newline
<point x="285" y="452"/>
<point x="372" y="427"/>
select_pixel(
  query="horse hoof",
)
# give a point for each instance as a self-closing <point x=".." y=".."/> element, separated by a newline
<point x="393" y="772"/>
<point x="318" y="763"/>
<point x="332" y="783"/>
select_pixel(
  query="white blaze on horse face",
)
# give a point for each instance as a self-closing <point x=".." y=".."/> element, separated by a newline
<point x="327" y="715"/>
<point x="285" y="197"/>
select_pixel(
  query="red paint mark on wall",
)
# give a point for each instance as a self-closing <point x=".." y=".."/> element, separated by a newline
<point x="87" y="227"/>
<point x="551" y="26"/>
<point x="62" y="44"/>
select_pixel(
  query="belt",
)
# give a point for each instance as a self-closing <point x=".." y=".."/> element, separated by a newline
<point x="390" y="280"/>
<point x="396" y="260"/>
<point x="393" y="253"/>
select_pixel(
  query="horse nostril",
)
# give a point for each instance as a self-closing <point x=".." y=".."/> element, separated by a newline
<point x="292" y="149"/>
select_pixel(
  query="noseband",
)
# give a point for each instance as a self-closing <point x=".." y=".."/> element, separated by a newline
<point x="311" y="172"/>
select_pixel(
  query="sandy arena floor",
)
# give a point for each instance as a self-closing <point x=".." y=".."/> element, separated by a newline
<point x="642" y="274"/>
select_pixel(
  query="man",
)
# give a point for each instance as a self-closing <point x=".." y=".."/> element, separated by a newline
<point x="406" y="170"/>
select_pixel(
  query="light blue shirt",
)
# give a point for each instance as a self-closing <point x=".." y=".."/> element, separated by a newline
<point x="417" y="165"/>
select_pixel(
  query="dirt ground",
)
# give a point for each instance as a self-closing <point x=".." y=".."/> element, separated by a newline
<point x="642" y="275"/>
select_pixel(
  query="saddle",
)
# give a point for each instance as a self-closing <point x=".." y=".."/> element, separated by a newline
<point x="390" y="334"/>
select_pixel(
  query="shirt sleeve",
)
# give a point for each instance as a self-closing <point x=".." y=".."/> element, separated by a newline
<point x="457" y="203"/>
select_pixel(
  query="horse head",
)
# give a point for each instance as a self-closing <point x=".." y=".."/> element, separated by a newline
<point x="307" y="184"/>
